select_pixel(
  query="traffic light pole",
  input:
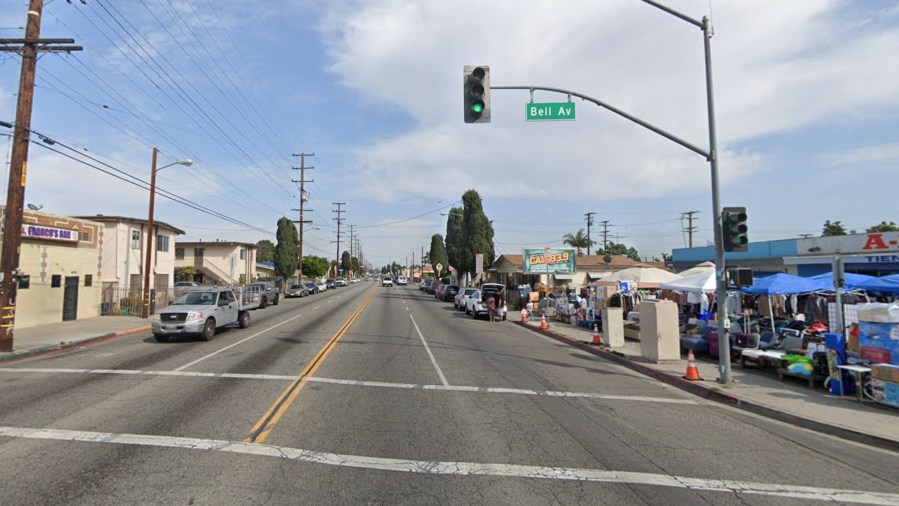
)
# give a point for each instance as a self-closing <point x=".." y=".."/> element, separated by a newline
<point x="711" y="156"/>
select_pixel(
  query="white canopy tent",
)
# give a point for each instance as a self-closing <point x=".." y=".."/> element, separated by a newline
<point x="701" y="283"/>
<point x="645" y="277"/>
<point x="698" y="269"/>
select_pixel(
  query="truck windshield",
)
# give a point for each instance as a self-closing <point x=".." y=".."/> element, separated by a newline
<point x="195" y="299"/>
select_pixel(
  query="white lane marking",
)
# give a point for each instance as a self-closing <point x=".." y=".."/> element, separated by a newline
<point x="359" y="383"/>
<point x="316" y="307"/>
<point x="197" y="361"/>
<point x="458" y="468"/>
<point x="427" y="349"/>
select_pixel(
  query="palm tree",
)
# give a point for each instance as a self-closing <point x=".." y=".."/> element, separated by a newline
<point x="578" y="240"/>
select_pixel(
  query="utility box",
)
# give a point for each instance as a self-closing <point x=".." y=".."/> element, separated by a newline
<point x="659" y="332"/>
<point x="612" y="327"/>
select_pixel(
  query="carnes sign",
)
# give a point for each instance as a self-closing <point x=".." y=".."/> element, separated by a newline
<point x="881" y="242"/>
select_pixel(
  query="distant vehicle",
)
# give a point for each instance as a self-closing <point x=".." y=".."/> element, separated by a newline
<point x="402" y="281"/>
<point x="340" y="282"/>
<point x="268" y="293"/>
<point x="438" y="292"/>
<point x="296" y="290"/>
<point x="311" y="287"/>
<point x="432" y="286"/>
<point x="449" y="293"/>
<point x="424" y="283"/>
<point x="461" y="298"/>
<point x="386" y="282"/>
<point x="321" y="286"/>
<point x="331" y="284"/>
<point x="203" y="311"/>
<point x="477" y="303"/>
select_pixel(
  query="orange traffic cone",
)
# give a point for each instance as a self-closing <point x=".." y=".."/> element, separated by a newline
<point x="543" y="324"/>
<point x="692" y="371"/>
<point x="596" y="339"/>
<point x="524" y="317"/>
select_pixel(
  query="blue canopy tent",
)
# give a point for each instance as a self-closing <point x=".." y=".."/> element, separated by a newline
<point x="825" y="281"/>
<point x="780" y="284"/>
<point x="884" y="284"/>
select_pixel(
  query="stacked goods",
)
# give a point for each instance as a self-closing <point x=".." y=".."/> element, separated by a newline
<point x="878" y="341"/>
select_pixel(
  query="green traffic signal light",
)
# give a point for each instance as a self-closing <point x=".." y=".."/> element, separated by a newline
<point x="734" y="229"/>
<point x="476" y="93"/>
<point x="477" y="107"/>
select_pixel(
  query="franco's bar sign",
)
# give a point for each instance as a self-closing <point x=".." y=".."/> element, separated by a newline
<point x="53" y="234"/>
<point x="552" y="111"/>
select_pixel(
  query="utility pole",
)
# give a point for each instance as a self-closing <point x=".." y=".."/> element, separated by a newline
<point x="690" y="227"/>
<point x="352" y="243"/>
<point x="30" y="46"/>
<point x="605" y="235"/>
<point x="589" y="224"/>
<point x="303" y="198"/>
<point x="339" y="220"/>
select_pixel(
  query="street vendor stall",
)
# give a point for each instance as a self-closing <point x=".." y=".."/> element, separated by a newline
<point x="780" y="284"/>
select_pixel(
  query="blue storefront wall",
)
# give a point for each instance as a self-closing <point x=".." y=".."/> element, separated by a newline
<point x="684" y="258"/>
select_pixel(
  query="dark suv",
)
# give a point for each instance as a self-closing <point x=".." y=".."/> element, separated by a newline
<point x="268" y="293"/>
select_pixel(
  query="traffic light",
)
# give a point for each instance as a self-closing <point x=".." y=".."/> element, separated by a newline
<point x="733" y="223"/>
<point x="476" y="93"/>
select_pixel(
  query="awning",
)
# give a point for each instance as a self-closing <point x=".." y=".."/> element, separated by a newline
<point x="567" y="277"/>
<point x="597" y="275"/>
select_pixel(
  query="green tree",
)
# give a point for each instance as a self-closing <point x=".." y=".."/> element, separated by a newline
<point x="454" y="237"/>
<point x="831" y="229"/>
<point x="354" y="265"/>
<point x="884" y="227"/>
<point x="620" y="249"/>
<point x="286" y="259"/>
<point x="477" y="233"/>
<point x="314" y="266"/>
<point x="345" y="263"/>
<point x="579" y="240"/>
<point x="437" y="253"/>
<point x="265" y="251"/>
<point x="185" y="273"/>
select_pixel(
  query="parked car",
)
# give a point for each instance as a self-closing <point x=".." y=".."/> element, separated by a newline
<point x="386" y="281"/>
<point x="449" y="293"/>
<point x="423" y="284"/>
<point x="203" y="311"/>
<point x="402" y="281"/>
<point x="340" y="282"/>
<point x="296" y="290"/>
<point x="268" y="293"/>
<point x="180" y="284"/>
<point x="438" y="292"/>
<point x="321" y="286"/>
<point x="474" y="305"/>
<point x="331" y="284"/>
<point x="488" y="290"/>
<point x="311" y="287"/>
<point x="461" y="298"/>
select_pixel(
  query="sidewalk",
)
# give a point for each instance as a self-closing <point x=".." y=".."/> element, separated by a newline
<point x="754" y="390"/>
<point x="57" y="336"/>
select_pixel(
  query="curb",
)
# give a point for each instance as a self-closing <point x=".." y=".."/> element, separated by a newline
<point x="713" y="394"/>
<point x="58" y="348"/>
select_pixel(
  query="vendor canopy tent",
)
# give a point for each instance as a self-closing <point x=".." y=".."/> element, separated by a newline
<point x="825" y="281"/>
<point x="698" y="269"/>
<point x="888" y="284"/>
<point x="698" y="283"/>
<point x="781" y="284"/>
<point x="645" y="277"/>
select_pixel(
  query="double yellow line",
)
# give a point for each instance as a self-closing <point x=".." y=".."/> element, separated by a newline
<point x="264" y="426"/>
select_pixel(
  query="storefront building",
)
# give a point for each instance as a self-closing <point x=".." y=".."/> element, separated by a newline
<point x="60" y="256"/>
<point x="509" y="270"/>
<point x="875" y="254"/>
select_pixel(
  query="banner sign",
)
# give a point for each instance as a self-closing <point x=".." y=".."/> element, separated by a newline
<point x="479" y="263"/>
<point x="549" y="261"/>
<point x="53" y="234"/>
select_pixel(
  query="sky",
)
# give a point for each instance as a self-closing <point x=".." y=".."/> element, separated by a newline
<point x="806" y="97"/>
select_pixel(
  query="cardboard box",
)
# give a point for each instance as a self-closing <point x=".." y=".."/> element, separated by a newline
<point x="875" y="355"/>
<point x="885" y="372"/>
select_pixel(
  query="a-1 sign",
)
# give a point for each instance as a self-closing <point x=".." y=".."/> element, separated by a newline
<point x="550" y="111"/>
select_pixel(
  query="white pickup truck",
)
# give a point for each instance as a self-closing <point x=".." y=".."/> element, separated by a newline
<point x="201" y="311"/>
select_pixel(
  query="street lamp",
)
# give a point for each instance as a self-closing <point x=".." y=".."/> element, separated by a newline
<point x="149" y="257"/>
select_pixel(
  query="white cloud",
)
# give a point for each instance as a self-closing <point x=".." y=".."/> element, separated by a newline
<point x="874" y="158"/>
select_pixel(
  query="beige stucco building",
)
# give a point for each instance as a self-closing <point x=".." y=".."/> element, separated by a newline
<point x="218" y="262"/>
<point x="61" y="256"/>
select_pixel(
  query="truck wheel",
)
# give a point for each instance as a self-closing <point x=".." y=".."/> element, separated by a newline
<point x="161" y="338"/>
<point x="263" y="302"/>
<point x="277" y="299"/>
<point x="243" y="319"/>
<point x="208" y="330"/>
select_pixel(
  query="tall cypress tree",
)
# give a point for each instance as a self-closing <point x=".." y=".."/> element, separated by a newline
<point x="437" y="254"/>
<point x="477" y="233"/>
<point x="454" y="237"/>
<point x="287" y="258"/>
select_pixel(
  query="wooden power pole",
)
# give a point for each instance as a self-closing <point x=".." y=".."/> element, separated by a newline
<point x="30" y="46"/>
<point x="302" y="168"/>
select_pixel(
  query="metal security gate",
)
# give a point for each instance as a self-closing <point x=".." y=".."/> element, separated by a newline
<point x="70" y="299"/>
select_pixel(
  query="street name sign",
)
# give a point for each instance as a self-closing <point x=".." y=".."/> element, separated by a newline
<point x="550" y="111"/>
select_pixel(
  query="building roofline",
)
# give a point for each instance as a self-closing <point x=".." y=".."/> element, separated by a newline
<point x="207" y="243"/>
<point x="103" y="218"/>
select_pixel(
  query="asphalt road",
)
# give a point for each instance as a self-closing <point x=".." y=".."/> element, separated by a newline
<point x="378" y="395"/>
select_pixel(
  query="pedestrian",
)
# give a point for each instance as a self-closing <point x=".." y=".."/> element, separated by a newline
<point x="491" y="307"/>
<point x="501" y="309"/>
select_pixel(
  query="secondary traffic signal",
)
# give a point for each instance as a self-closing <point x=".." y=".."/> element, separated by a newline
<point x="733" y="223"/>
<point x="476" y="93"/>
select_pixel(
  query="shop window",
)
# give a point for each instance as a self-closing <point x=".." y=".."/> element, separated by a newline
<point x="86" y="235"/>
<point x="243" y="254"/>
<point x="135" y="239"/>
<point x="55" y="281"/>
<point x="88" y="280"/>
<point x="162" y="243"/>
<point x="179" y="253"/>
